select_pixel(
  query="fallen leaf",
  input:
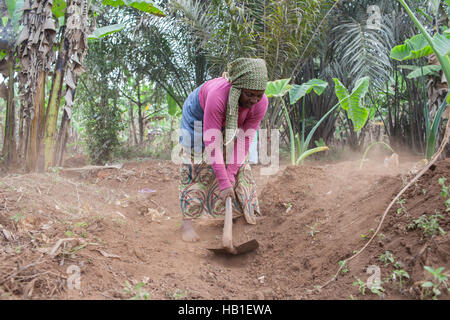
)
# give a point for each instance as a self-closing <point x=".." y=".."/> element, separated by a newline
<point x="7" y="234"/>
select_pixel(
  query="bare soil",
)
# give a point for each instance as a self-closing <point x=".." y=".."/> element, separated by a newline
<point x="121" y="230"/>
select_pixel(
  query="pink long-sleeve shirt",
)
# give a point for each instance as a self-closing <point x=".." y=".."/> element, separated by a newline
<point x="213" y="98"/>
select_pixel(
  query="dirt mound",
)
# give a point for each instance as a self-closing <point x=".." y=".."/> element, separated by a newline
<point x="417" y="232"/>
<point x="75" y="161"/>
<point x="318" y="216"/>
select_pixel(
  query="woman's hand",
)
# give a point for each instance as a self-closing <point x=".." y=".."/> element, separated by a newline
<point x="231" y="177"/>
<point x="225" y="193"/>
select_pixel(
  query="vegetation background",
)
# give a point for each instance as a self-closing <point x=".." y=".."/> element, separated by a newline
<point x="109" y="78"/>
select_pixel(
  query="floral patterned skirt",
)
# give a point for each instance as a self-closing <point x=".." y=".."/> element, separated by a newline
<point x="199" y="192"/>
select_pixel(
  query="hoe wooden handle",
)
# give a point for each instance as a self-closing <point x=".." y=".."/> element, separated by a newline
<point x="227" y="238"/>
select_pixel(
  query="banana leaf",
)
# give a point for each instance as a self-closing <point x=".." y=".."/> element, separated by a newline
<point x="142" y="5"/>
<point x="104" y="31"/>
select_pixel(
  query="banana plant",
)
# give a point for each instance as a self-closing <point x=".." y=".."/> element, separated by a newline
<point x="59" y="10"/>
<point x="419" y="46"/>
<point x="278" y="89"/>
<point x="8" y="44"/>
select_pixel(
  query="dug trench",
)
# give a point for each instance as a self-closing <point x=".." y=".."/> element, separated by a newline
<point x="115" y="233"/>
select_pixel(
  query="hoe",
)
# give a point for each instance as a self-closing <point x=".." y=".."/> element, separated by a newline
<point x="227" y="238"/>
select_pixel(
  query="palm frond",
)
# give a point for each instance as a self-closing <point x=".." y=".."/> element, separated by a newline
<point x="364" y="51"/>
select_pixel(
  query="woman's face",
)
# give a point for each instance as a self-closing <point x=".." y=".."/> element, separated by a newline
<point x="249" y="97"/>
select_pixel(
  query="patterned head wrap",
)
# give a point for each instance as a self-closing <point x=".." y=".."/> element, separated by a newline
<point x="243" y="73"/>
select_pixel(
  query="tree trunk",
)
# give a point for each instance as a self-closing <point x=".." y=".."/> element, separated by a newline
<point x="75" y="48"/>
<point x="53" y="108"/>
<point x="9" y="144"/>
<point x="20" y="147"/>
<point x="27" y="134"/>
<point x="62" y="139"/>
<point x="141" y="125"/>
<point x="132" y="125"/>
<point x="40" y="155"/>
<point x="34" y="141"/>
<point x="2" y="130"/>
<point x="140" y="118"/>
<point x="64" y="130"/>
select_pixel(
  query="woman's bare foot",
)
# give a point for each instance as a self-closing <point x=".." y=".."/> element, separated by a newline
<point x="188" y="232"/>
